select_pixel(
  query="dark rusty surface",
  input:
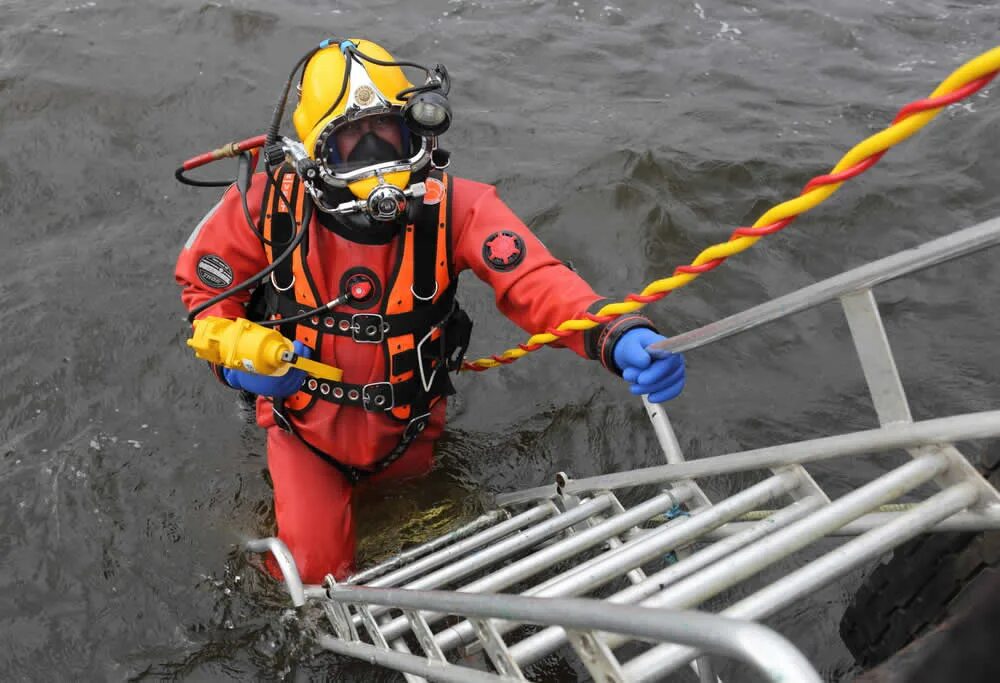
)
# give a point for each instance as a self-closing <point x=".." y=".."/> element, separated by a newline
<point x="965" y="647"/>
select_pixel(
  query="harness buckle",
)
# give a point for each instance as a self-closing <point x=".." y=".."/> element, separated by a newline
<point x="368" y="328"/>
<point x="378" y="396"/>
<point x="416" y="425"/>
<point x="454" y="360"/>
<point x="425" y="380"/>
<point x="281" y="419"/>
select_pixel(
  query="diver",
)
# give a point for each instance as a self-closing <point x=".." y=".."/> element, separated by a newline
<point x="357" y="238"/>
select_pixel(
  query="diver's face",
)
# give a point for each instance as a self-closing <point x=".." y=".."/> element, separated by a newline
<point x="385" y="126"/>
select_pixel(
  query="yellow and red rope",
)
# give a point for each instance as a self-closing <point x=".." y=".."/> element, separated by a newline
<point x="963" y="82"/>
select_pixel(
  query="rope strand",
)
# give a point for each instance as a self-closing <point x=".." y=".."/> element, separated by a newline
<point x="963" y="82"/>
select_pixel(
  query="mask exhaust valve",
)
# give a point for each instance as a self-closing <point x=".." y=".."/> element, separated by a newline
<point x="386" y="203"/>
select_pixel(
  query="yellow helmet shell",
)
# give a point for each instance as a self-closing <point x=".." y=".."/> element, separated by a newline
<point x="321" y="82"/>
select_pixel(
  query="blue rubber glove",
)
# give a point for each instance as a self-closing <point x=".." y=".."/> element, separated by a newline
<point x="662" y="378"/>
<point x="276" y="387"/>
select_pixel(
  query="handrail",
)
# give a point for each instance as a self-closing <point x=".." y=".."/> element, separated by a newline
<point x="970" y="426"/>
<point x="952" y="246"/>
<point x="768" y="652"/>
<point x="285" y="562"/>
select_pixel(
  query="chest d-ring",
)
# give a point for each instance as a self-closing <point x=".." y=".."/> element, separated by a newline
<point x="290" y="284"/>
<point x="417" y="296"/>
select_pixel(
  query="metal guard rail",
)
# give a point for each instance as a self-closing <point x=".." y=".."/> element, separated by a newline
<point x="768" y="652"/>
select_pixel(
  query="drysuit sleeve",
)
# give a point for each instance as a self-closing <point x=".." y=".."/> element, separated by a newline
<point x="531" y="287"/>
<point x="222" y="251"/>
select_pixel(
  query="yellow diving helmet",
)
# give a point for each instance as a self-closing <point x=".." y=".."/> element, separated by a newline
<point x="368" y="129"/>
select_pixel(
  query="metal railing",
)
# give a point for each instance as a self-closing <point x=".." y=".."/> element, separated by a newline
<point x="677" y="548"/>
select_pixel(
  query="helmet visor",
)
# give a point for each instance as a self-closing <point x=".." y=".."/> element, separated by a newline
<point x="368" y="141"/>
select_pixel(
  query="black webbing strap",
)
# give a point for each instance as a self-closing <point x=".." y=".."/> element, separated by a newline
<point x="425" y="241"/>
<point x="377" y="397"/>
<point x="281" y="228"/>
<point x="355" y="475"/>
<point x="357" y="325"/>
<point x="281" y="233"/>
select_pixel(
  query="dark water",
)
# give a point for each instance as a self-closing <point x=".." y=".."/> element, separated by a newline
<point x="628" y="134"/>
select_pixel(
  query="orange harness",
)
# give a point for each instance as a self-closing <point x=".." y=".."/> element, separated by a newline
<point x="419" y="325"/>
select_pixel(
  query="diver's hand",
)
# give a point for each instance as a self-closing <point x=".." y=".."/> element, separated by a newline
<point x="280" y="386"/>
<point x="661" y="378"/>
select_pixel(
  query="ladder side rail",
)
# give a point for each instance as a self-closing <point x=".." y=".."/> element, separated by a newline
<point x="767" y="651"/>
<point x="410" y="663"/>
<point x="967" y="427"/>
<point x="877" y="362"/>
<point x="286" y="563"/>
<point x="671" y="448"/>
<point x="962" y="522"/>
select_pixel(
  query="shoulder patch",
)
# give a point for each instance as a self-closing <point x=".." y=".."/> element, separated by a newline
<point x="214" y="272"/>
<point x="503" y="250"/>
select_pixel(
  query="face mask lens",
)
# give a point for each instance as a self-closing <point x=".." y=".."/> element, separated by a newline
<point x="365" y="142"/>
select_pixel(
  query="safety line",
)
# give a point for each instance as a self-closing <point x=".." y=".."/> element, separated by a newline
<point x="963" y="82"/>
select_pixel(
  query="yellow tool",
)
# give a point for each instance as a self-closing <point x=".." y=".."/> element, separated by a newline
<point x="242" y="345"/>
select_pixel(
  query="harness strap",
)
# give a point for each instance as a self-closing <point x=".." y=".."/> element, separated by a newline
<point x="355" y="475"/>
<point x="280" y="233"/>
<point x="372" y="327"/>
<point x="425" y="241"/>
<point x="375" y="397"/>
<point x="411" y="331"/>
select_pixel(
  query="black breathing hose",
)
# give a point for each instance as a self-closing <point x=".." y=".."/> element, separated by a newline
<point x="279" y="107"/>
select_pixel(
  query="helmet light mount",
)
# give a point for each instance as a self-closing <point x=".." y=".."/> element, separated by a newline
<point x="428" y="113"/>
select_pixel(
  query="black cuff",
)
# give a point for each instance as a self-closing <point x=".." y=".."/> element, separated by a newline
<point x="217" y="371"/>
<point x="599" y="342"/>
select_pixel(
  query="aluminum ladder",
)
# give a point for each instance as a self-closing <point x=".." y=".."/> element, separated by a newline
<point x="425" y="610"/>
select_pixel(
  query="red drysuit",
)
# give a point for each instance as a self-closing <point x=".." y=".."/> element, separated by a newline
<point x="312" y="498"/>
